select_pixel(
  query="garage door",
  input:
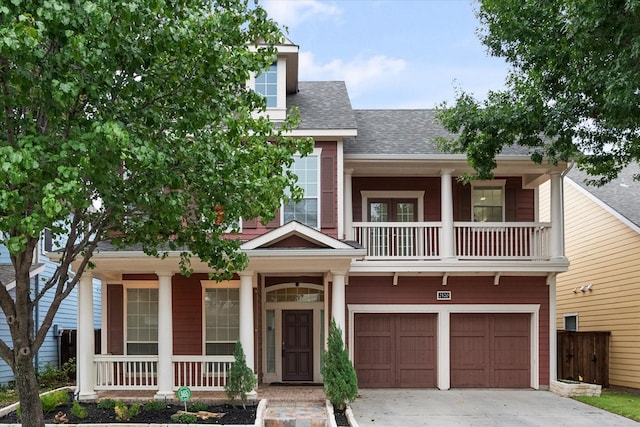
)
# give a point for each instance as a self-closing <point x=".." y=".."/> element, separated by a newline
<point x="490" y="350"/>
<point x="395" y="350"/>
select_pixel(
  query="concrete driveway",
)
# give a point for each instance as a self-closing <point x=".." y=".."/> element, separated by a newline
<point x="521" y="408"/>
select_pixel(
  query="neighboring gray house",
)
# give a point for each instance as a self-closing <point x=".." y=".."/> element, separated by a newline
<point x="66" y="317"/>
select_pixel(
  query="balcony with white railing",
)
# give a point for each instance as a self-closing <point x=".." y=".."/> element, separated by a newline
<point x="471" y="240"/>
<point x="199" y="373"/>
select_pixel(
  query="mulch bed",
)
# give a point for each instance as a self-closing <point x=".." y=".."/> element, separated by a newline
<point x="232" y="415"/>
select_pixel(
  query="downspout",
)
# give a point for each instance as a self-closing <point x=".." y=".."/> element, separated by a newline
<point x="36" y="319"/>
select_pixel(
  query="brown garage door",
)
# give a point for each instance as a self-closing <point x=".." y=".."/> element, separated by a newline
<point x="490" y="350"/>
<point x="395" y="350"/>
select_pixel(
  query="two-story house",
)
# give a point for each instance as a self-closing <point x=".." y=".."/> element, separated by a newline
<point x="435" y="283"/>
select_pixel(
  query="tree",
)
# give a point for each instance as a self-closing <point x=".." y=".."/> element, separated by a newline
<point x="573" y="91"/>
<point x="241" y="378"/>
<point x="340" y="380"/>
<point x="130" y="121"/>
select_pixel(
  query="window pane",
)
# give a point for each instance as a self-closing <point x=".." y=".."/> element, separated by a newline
<point x="142" y="321"/>
<point x="487" y="204"/>
<point x="379" y="211"/>
<point x="222" y="317"/>
<point x="266" y="84"/>
<point x="305" y="211"/>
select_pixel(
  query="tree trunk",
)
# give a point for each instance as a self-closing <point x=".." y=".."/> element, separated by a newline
<point x="27" y="387"/>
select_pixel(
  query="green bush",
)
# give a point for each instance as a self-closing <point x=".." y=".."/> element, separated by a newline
<point x="124" y="412"/>
<point x="197" y="406"/>
<point x="79" y="411"/>
<point x="106" y="404"/>
<point x="50" y="377"/>
<point x="184" y="419"/>
<point x="154" y="405"/>
<point x="241" y="378"/>
<point x="340" y="380"/>
<point x="51" y="401"/>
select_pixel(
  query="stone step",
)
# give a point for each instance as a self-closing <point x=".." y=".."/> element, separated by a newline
<point x="295" y="414"/>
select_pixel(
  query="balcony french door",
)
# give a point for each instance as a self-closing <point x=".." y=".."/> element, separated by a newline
<point x="386" y="240"/>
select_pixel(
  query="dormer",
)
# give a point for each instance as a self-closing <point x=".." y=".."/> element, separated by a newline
<point x="280" y="80"/>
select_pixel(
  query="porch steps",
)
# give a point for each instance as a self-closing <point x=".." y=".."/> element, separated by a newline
<point x="296" y="414"/>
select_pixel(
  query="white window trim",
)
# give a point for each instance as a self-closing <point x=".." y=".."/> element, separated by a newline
<point x="316" y="153"/>
<point x="212" y="284"/>
<point x="366" y="195"/>
<point x="279" y="112"/>
<point x="133" y="284"/>
<point x="564" y="321"/>
<point x="490" y="183"/>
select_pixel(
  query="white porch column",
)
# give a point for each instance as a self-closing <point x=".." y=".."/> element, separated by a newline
<point x="165" y="337"/>
<point x="446" y="209"/>
<point x="246" y="318"/>
<point x="348" y="205"/>
<point x="444" y="334"/>
<point x="338" y="301"/>
<point x="86" y="345"/>
<point x="553" y="340"/>
<point x="557" y="217"/>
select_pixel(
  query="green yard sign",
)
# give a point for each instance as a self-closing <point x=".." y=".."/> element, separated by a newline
<point x="184" y="394"/>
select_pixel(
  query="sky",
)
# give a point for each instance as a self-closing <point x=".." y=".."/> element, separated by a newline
<point x="391" y="53"/>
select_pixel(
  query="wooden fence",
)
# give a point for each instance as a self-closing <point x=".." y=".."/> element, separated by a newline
<point x="584" y="356"/>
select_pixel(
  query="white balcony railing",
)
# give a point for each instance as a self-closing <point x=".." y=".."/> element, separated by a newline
<point x="471" y="240"/>
<point x="118" y="372"/>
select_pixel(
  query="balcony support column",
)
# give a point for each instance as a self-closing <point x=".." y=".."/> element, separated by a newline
<point x="338" y="300"/>
<point x="165" y="337"/>
<point x="446" y="209"/>
<point x="86" y="345"/>
<point x="557" y="217"/>
<point x="348" y="205"/>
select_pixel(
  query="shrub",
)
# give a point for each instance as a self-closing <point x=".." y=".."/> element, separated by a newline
<point x="52" y="400"/>
<point x="184" y="419"/>
<point x="340" y="380"/>
<point x="106" y="404"/>
<point x="241" y="377"/>
<point x="154" y="405"/>
<point x="50" y="377"/>
<point x="124" y="412"/>
<point x="79" y="411"/>
<point x="197" y="406"/>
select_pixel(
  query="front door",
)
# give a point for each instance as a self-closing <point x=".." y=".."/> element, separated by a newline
<point x="297" y="345"/>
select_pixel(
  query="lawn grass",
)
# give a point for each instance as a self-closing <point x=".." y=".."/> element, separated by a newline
<point x="621" y="403"/>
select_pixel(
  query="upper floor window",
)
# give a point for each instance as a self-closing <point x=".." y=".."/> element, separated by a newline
<point x="488" y="202"/>
<point x="266" y="84"/>
<point x="307" y="210"/>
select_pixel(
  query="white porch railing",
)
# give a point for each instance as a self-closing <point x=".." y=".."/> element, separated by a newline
<point x="118" y="372"/>
<point x="472" y="240"/>
<point x="201" y="372"/>
<point x="115" y="372"/>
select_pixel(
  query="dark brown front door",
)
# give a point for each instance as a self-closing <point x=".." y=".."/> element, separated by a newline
<point x="297" y="345"/>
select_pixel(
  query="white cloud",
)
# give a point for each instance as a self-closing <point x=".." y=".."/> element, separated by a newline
<point x="292" y="13"/>
<point x="359" y="73"/>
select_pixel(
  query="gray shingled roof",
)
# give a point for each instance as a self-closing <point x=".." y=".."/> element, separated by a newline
<point x="7" y="272"/>
<point x="402" y="132"/>
<point x="622" y="194"/>
<point x="323" y="105"/>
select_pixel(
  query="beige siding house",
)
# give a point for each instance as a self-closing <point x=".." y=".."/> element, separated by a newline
<point x="601" y="290"/>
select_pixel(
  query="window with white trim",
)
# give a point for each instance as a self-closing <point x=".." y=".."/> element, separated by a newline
<point x="307" y="210"/>
<point x="222" y="320"/>
<point x="570" y="322"/>
<point x="266" y="84"/>
<point x="142" y="321"/>
<point x="488" y="202"/>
